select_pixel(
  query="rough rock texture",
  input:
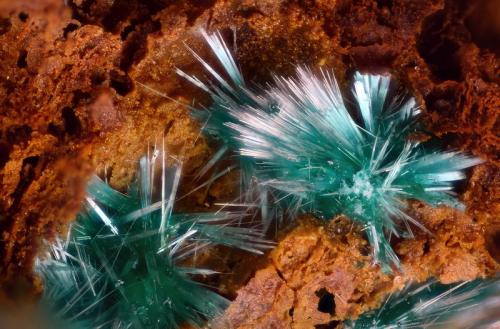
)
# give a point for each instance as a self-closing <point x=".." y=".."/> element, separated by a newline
<point x="321" y="275"/>
<point x="68" y="106"/>
<point x="45" y="132"/>
<point x="265" y="302"/>
<point x="80" y="90"/>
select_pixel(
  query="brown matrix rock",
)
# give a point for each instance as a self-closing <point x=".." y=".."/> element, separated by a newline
<point x="80" y="86"/>
<point x="321" y="275"/>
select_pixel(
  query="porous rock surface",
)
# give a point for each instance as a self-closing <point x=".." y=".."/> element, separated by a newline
<point x="320" y="275"/>
<point x="83" y="88"/>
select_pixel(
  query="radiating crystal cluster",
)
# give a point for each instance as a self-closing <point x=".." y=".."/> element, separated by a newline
<point x="120" y="266"/>
<point x="301" y="147"/>
<point x="310" y="151"/>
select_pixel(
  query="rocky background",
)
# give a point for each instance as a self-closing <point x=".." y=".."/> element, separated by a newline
<point x="83" y="86"/>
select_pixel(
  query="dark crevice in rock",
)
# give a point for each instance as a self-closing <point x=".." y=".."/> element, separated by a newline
<point x="72" y="125"/>
<point x="128" y="29"/>
<point x="330" y="325"/>
<point x="365" y="250"/>
<point x="437" y="49"/>
<point x="27" y="175"/>
<point x="326" y="303"/>
<point x="452" y="140"/>
<point x="493" y="244"/>
<point x="80" y="11"/>
<point x="5" y="25"/>
<point x="97" y="78"/>
<point x="81" y="97"/>
<point x="10" y="87"/>
<point x="134" y="48"/>
<point x="280" y="274"/>
<point x="108" y="173"/>
<point x="21" y="60"/>
<point x="118" y="12"/>
<point x="132" y="19"/>
<point x="5" y="150"/>
<point x="70" y="28"/>
<point x="18" y="134"/>
<point x="198" y="10"/>
<point x="55" y="130"/>
<point x="32" y="219"/>
<point x="384" y="3"/>
<point x="23" y="17"/>
<point x="385" y="21"/>
<point x="111" y="14"/>
<point x="168" y="127"/>
<point x="426" y="248"/>
<point x="442" y="100"/>
<point x="121" y="83"/>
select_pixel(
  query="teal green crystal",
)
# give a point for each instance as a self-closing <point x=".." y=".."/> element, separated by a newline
<point x="214" y="119"/>
<point x="120" y="266"/>
<point x="309" y="151"/>
<point x="465" y="305"/>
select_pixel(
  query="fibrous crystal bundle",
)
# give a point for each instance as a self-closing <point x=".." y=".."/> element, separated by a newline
<point x="310" y="151"/>
<point x="122" y="263"/>
<point x="464" y="305"/>
<point x="301" y="146"/>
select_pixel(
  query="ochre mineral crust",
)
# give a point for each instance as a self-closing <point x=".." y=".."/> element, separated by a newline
<point x="320" y="275"/>
<point x="91" y="85"/>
